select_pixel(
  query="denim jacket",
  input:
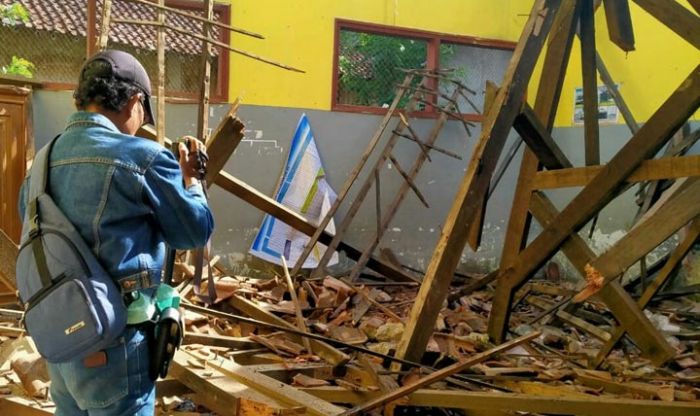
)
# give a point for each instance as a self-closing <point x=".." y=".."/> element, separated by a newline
<point x="126" y="197"/>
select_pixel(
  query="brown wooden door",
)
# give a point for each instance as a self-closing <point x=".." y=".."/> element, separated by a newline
<point x="14" y="136"/>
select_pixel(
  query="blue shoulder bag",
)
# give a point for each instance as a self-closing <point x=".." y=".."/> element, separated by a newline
<point x="73" y="308"/>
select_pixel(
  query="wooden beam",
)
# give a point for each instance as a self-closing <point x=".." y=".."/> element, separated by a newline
<point x="599" y="191"/>
<point x="160" y="81"/>
<point x="515" y="402"/>
<point x="323" y="350"/>
<point x="695" y="4"/>
<point x="236" y="343"/>
<point x="615" y="94"/>
<point x="91" y="30"/>
<point x="474" y="186"/>
<point x="590" y="83"/>
<point x="286" y="394"/>
<point x="18" y="406"/>
<point x="205" y="89"/>
<point x="620" y="30"/>
<point x="217" y="392"/>
<point x="8" y="261"/>
<point x="540" y="141"/>
<point x="676" y="17"/>
<point x="650" y="231"/>
<point x="621" y="305"/>
<point x="546" y="102"/>
<point x="439" y="375"/>
<point x="223" y="143"/>
<point x="104" y="25"/>
<point x="649" y="170"/>
<point x="661" y="278"/>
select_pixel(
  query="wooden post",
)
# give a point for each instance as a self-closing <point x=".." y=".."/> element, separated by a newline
<point x="475" y="184"/>
<point x="590" y="83"/>
<point x="203" y="116"/>
<point x="91" y="38"/>
<point x="160" y="89"/>
<point x="104" y="26"/>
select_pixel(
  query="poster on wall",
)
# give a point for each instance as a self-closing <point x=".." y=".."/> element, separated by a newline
<point x="304" y="189"/>
<point x="608" y="112"/>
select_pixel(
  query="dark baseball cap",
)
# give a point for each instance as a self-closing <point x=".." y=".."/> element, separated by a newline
<point x="127" y="68"/>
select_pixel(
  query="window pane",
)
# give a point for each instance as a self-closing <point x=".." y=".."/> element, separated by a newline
<point x="369" y="66"/>
<point x="473" y="66"/>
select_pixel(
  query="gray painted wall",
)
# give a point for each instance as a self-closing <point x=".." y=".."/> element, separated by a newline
<point x="341" y="139"/>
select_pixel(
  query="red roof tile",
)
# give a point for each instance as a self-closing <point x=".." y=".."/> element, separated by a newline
<point x="70" y="17"/>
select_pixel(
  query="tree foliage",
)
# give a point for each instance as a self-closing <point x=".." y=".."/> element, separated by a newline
<point x="11" y="15"/>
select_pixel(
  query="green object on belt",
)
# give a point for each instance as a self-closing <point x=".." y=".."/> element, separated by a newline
<point x="167" y="297"/>
<point x="145" y="307"/>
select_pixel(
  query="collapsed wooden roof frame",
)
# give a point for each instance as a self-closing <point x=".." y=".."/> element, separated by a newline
<point x="558" y="20"/>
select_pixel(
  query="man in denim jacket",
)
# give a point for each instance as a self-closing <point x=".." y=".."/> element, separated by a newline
<point x="128" y="197"/>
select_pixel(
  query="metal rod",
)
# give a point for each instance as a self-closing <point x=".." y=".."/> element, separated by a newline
<point x="331" y="341"/>
<point x="212" y="41"/>
<point x="199" y="18"/>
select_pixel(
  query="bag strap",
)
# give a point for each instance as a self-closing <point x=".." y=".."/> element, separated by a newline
<point x="37" y="187"/>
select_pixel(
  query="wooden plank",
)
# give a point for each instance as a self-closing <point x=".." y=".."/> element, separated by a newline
<point x="599" y="191"/>
<point x="621" y="305"/>
<point x="661" y="278"/>
<point x="439" y="375"/>
<point x="18" y="406"/>
<point x="323" y="350"/>
<point x="548" y="93"/>
<point x="648" y="170"/>
<point x="474" y="186"/>
<point x="651" y="231"/>
<point x="581" y="324"/>
<point x="8" y="261"/>
<point x="540" y="141"/>
<point x="104" y="25"/>
<point x="514" y="402"/>
<point x="676" y="17"/>
<point x="590" y="83"/>
<point x="301" y="324"/>
<point x="283" y="393"/>
<point x="219" y="393"/>
<point x="223" y="143"/>
<point x="620" y="30"/>
<point x="160" y="81"/>
<point x="237" y="343"/>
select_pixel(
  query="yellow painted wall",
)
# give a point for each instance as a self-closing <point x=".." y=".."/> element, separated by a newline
<point x="647" y="76"/>
<point x="301" y="34"/>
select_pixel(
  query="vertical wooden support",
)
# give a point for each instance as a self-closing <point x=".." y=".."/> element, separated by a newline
<point x="599" y="191"/>
<point x="203" y="116"/>
<point x="104" y="25"/>
<point x="160" y="91"/>
<point x="590" y="83"/>
<point x="475" y="184"/>
<point x="676" y="17"/>
<point x="546" y="102"/>
<point x="91" y="30"/>
<point x="617" y="14"/>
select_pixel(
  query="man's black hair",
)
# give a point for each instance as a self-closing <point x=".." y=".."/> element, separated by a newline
<point x="99" y="86"/>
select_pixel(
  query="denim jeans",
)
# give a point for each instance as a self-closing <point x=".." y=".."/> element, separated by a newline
<point x="121" y="387"/>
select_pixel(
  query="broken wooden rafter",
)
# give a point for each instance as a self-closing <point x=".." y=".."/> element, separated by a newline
<point x="439" y="375"/>
<point x="488" y="402"/>
<point x="621" y="305"/>
<point x="620" y="30"/>
<point x="212" y="41"/>
<point x="590" y="82"/>
<point x="301" y="324"/>
<point x="540" y="140"/>
<point x="207" y="20"/>
<point x="662" y="277"/>
<point x="599" y="191"/>
<point x="649" y="170"/>
<point x="474" y="186"/>
<point x="676" y="17"/>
